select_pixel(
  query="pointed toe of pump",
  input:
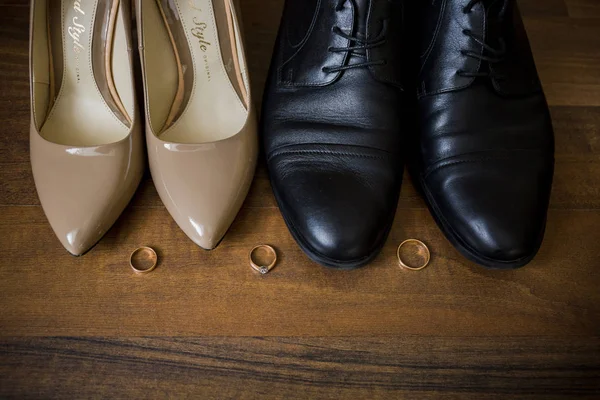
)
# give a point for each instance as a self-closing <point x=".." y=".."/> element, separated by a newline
<point x="79" y="240"/>
<point x="203" y="186"/>
<point x="84" y="190"/>
<point x="205" y="233"/>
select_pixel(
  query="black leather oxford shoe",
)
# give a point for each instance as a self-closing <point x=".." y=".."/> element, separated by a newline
<point x="333" y="125"/>
<point x="485" y="155"/>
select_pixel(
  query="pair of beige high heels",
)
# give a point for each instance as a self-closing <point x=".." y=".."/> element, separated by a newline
<point x="87" y="151"/>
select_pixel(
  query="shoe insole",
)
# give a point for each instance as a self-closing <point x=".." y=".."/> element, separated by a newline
<point x="91" y="89"/>
<point x="210" y="99"/>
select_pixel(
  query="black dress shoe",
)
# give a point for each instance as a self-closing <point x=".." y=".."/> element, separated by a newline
<point x="332" y="123"/>
<point x="486" y="149"/>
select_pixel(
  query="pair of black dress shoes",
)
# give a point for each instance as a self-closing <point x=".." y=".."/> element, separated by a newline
<point x="358" y="88"/>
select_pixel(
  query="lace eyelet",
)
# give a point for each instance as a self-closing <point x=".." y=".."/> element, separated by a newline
<point x="465" y="10"/>
<point x="467" y="31"/>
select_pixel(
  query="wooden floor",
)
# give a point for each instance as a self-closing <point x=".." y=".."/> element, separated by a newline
<point x="203" y="325"/>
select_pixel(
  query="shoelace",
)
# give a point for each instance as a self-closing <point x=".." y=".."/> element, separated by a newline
<point x="493" y="55"/>
<point x="359" y="44"/>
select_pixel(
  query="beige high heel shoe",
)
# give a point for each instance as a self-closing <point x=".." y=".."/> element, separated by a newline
<point x="201" y="127"/>
<point x="85" y="142"/>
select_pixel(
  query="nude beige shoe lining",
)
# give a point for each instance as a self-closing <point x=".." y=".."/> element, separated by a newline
<point x="194" y="96"/>
<point x="89" y="72"/>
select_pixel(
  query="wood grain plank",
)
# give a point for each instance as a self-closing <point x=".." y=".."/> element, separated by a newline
<point x="300" y="368"/>
<point x="536" y="8"/>
<point x="45" y="291"/>
<point x="567" y="53"/>
<point x="14" y="64"/>
<point x="583" y="8"/>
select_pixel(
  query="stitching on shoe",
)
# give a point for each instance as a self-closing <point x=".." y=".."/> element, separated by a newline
<point x="325" y="152"/>
<point x="458" y="87"/>
<point x="443" y="164"/>
<point x="300" y="46"/>
<point x="288" y="80"/>
<point x="429" y="49"/>
<point x="474" y="159"/>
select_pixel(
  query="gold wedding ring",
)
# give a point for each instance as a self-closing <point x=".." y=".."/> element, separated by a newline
<point x="263" y="269"/>
<point x="422" y="251"/>
<point x="143" y="260"/>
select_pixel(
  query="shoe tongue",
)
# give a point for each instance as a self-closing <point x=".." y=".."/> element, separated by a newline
<point x="361" y="14"/>
<point x="497" y="12"/>
<point x="497" y="9"/>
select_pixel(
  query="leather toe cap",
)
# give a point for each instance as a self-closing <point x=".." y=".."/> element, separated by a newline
<point x="493" y="209"/>
<point x="338" y="209"/>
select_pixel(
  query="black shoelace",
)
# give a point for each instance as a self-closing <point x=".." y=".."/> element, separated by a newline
<point x="492" y="55"/>
<point x="357" y="44"/>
